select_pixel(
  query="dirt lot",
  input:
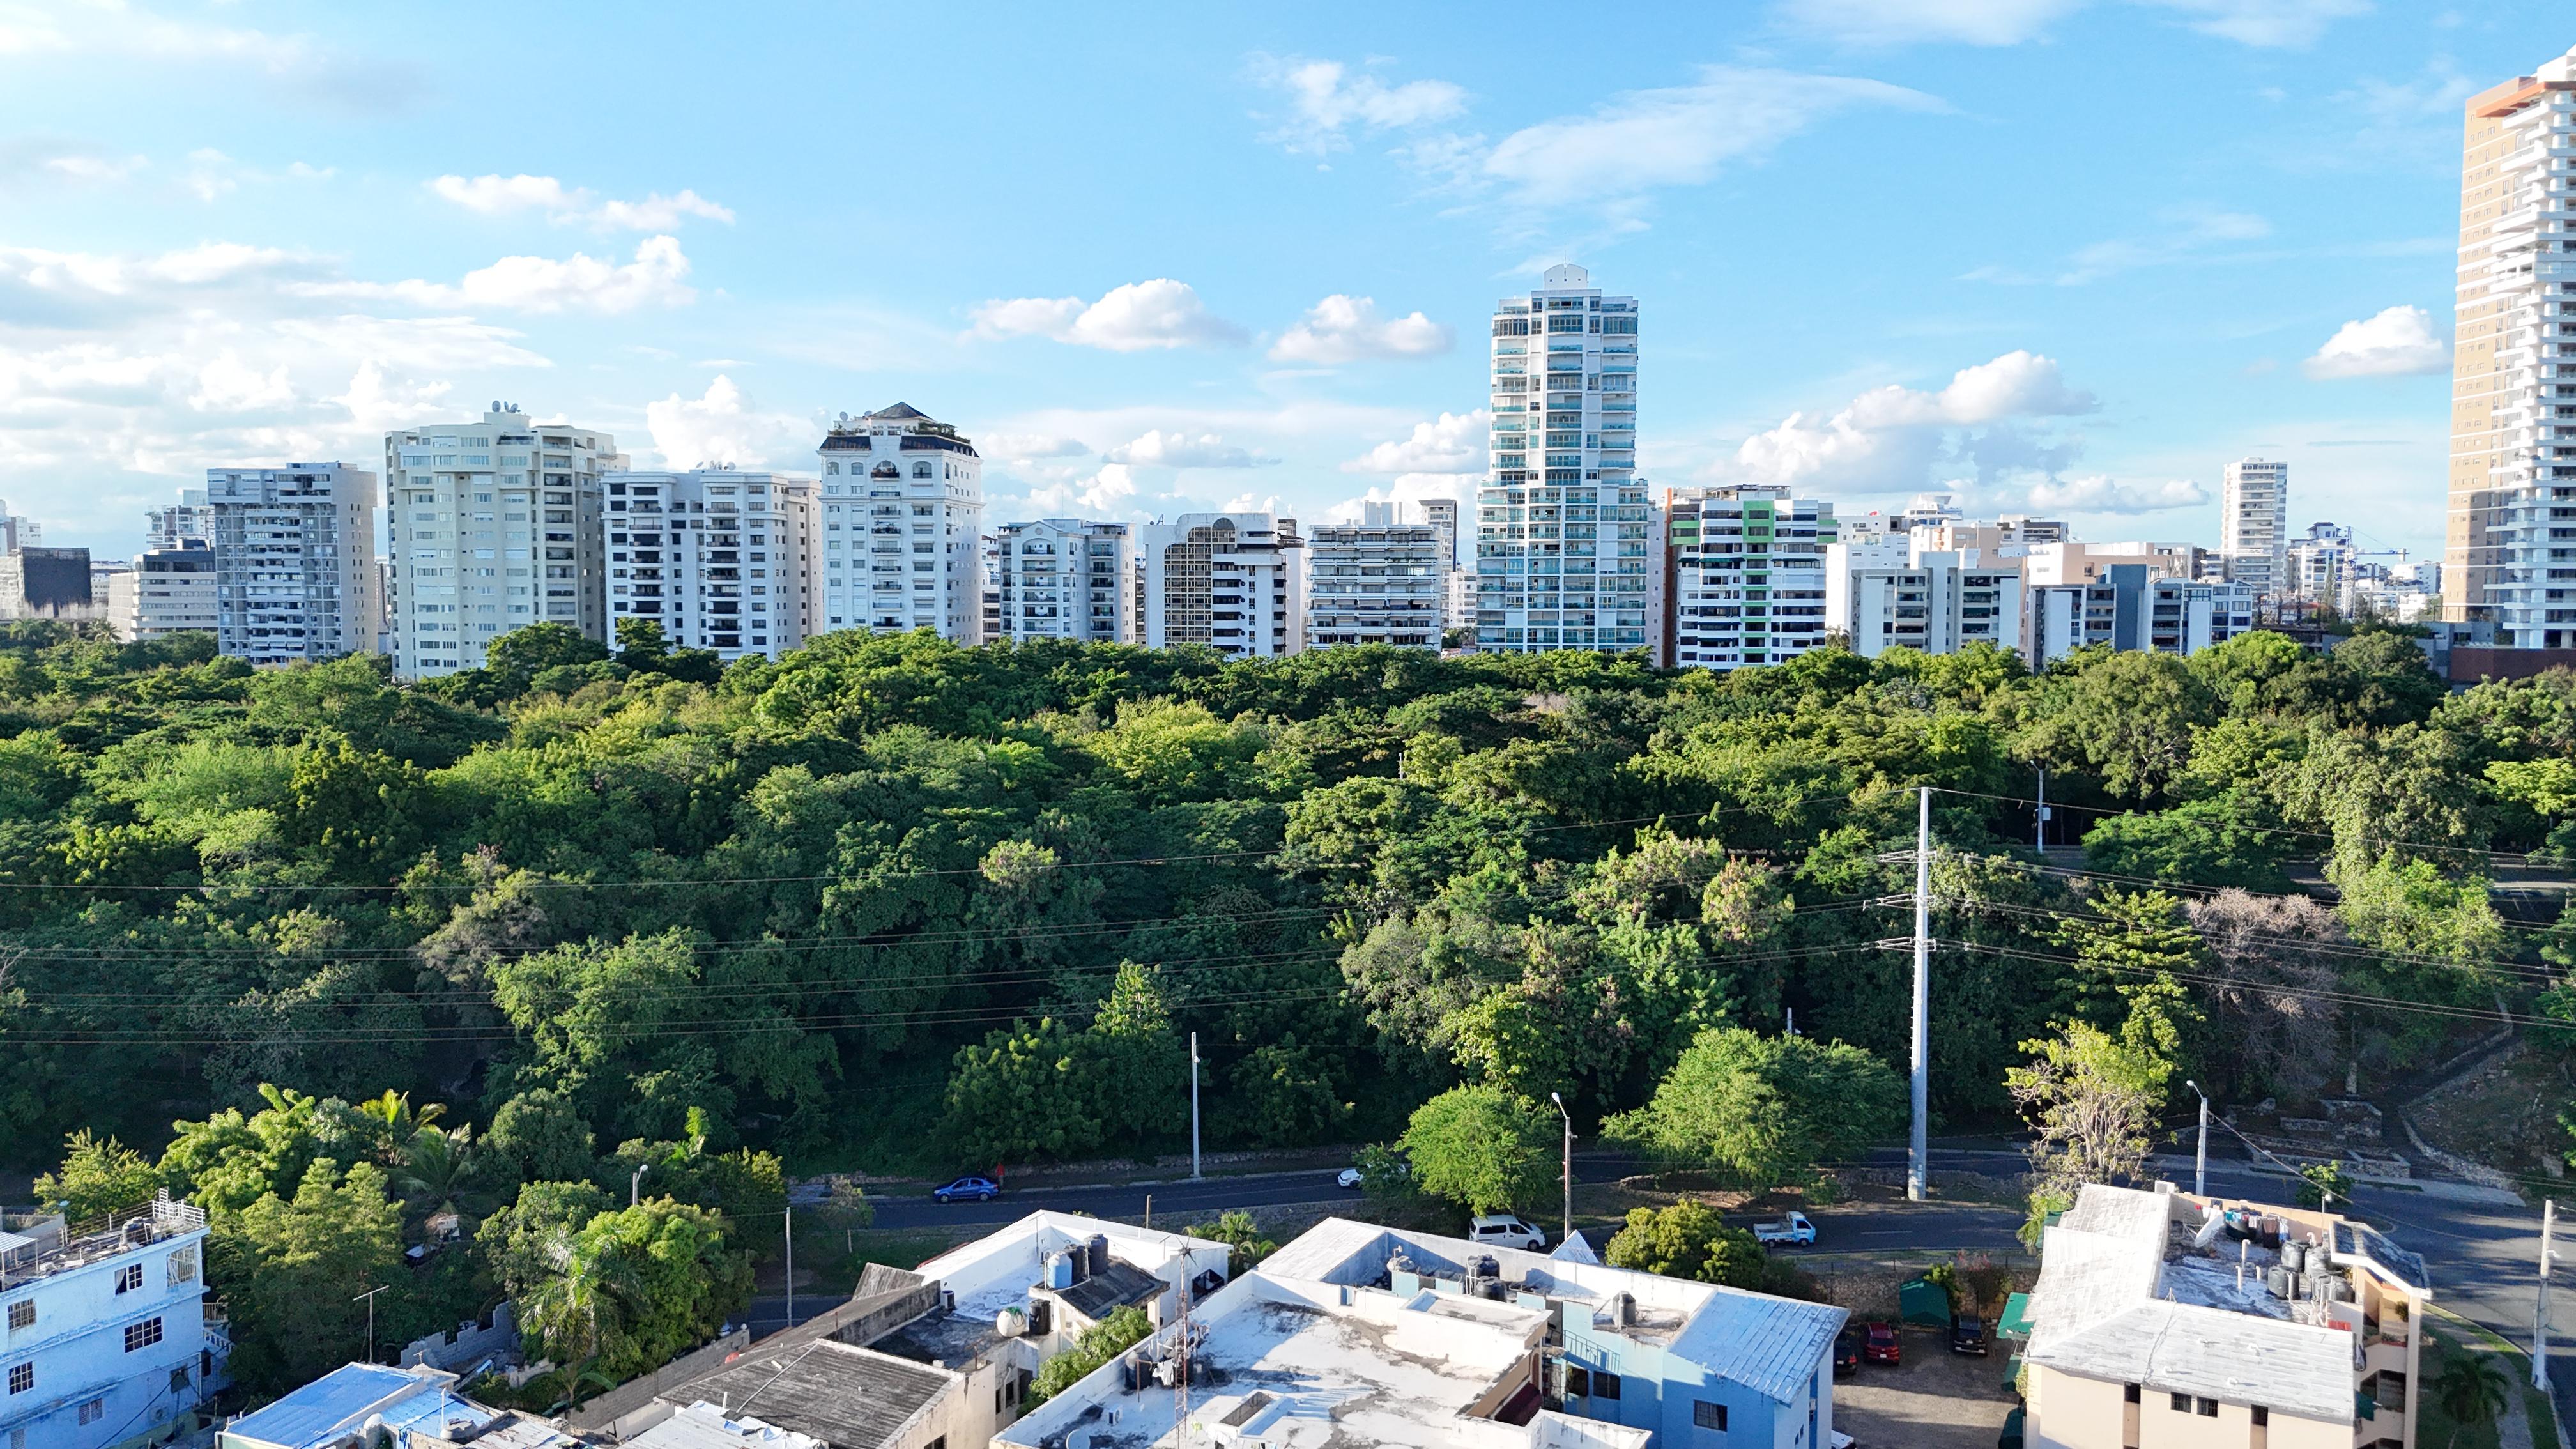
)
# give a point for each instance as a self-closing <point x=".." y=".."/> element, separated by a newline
<point x="1936" y="1399"/>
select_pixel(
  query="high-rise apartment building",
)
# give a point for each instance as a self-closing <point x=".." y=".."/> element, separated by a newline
<point x="2131" y="606"/>
<point x="168" y="591"/>
<point x="1378" y="581"/>
<point x="1743" y="576"/>
<point x="2513" y="388"/>
<point x="1565" y="550"/>
<point x="1891" y="594"/>
<point x="2254" y="524"/>
<point x="493" y="525"/>
<point x="173" y="523"/>
<point x="718" y="557"/>
<point x="295" y="561"/>
<point x="1064" y="578"/>
<point x="17" y="530"/>
<point x="46" y="583"/>
<point x="903" y="524"/>
<point x="1234" y="582"/>
<point x="2321" y="567"/>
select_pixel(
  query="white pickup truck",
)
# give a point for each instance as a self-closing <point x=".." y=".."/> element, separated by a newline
<point x="1791" y="1231"/>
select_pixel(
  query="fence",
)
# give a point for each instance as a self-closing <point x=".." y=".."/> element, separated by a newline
<point x="468" y="1343"/>
<point x="604" y="1411"/>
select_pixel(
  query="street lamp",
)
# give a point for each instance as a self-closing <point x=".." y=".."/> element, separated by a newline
<point x="2200" y="1160"/>
<point x="635" y="1184"/>
<point x="1568" y="1225"/>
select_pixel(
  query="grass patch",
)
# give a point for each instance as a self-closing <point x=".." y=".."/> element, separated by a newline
<point x="2436" y="1428"/>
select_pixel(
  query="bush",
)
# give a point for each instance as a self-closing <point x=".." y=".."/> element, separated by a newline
<point x="1098" y="1344"/>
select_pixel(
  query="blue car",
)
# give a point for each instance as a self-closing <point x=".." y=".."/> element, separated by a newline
<point x="968" y="1189"/>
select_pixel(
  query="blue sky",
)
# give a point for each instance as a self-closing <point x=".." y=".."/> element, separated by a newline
<point x="2067" y="256"/>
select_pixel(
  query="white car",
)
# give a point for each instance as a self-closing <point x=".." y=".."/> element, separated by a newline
<point x="1503" y="1230"/>
<point x="1350" y="1178"/>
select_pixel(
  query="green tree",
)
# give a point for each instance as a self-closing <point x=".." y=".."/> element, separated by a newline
<point x="99" y="1175"/>
<point x="2126" y="717"/>
<point x="2320" y="1182"/>
<point x="1687" y="1240"/>
<point x="639" y="1286"/>
<point x="542" y="1136"/>
<point x="1094" y="1346"/>
<point x="528" y="1242"/>
<point x="1765" y="1109"/>
<point x="2471" y="1390"/>
<point x="292" y="1268"/>
<point x="1480" y="1148"/>
<point x="1242" y="1236"/>
<point x="2091" y="1100"/>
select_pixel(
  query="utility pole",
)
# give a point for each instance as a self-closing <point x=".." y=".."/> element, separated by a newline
<point x="369" y="1298"/>
<point x="791" y="1264"/>
<point x="2039" y="822"/>
<point x="2540" y="1315"/>
<point x="1194" y="1106"/>
<point x="2200" y="1158"/>
<point x="1918" y="1165"/>
<point x="1568" y="1227"/>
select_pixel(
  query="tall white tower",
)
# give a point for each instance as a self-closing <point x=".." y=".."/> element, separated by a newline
<point x="492" y="525"/>
<point x="1564" y="545"/>
<point x="2253" y="525"/>
<point x="903" y="523"/>
<point x="294" y="561"/>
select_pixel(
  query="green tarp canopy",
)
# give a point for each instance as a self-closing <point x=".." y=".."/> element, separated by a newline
<point x="2016" y="1320"/>
<point x="2012" y="1372"/>
<point x="1923" y="1301"/>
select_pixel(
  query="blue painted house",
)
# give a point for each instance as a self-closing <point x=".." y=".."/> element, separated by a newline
<point x="105" y="1340"/>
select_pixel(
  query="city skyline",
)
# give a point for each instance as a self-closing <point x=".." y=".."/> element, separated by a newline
<point x="246" y="235"/>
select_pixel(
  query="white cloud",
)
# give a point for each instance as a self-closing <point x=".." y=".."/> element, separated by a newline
<point x="2397" y="342"/>
<point x="1159" y="449"/>
<point x="1905" y="22"/>
<point x="1342" y="328"/>
<point x="2097" y="493"/>
<point x="496" y="195"/>
<point x="1102" y="494"/>
<point x="1030" y="445"/>
<point x="57" y="159"/>
<point x="2185" y="234"/>
<point x="262" y="64"/>
<point x="658" y="277"/>
<point x="1449" y="443"/>
<point x="1887" y="439"/>
<point x="1326" y="100"/>
<point x="723" y="426"/>
<point x="2264" y="23"/>
<point x="212" y="175"/>
<point x="1677" y="135"/>
<point x="1132" y="318"/>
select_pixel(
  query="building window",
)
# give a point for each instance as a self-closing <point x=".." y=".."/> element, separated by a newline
<point x="93" y="1411"/>
<point x="2182" y="1403"/>
<point x="2262" y="1416"/>
<point x="22" y="1377"/>
<point x="142" y="1335"/>
<point x="1578" y="1382"/>
<point x="22" y="1314"/>
<point x="1605" y="1385"/>
<point x="2207" y="1408"/>
<point x="1708" y="1415"/>
<point x="129" y="1277"/>
<point x="2130" y="1393"/>
<point x="183" y="1265"/>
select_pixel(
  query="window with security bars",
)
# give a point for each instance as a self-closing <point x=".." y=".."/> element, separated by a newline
<point x="129" y="1277"/>
<point x="93" y="1411"/>
<point x="22" y="1314"/>
<point x="142" y="1335"/>
<point x="22" y="1377"/>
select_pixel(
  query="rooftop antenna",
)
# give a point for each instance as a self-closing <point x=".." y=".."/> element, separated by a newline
<point x="1181" y="1355"/>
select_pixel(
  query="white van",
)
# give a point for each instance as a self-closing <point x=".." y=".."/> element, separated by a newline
<point x="1503" y="1230"/>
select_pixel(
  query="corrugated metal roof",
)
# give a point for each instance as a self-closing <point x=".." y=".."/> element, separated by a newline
<point x="1770" y="1345"/>
<point x="345" y="1398"/>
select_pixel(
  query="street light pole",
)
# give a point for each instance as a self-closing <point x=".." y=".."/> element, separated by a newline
<point x="791" y="1264"/>
<point x="369" y="1298"/>
<point x="1194" y="1106"/>
<point x="635" y="1184"/>
<point x="1918" y="1163"/>
<point x="1567" y="1231"/>
<point x="2200" y="1159"/>
<point x="2540" y="1316"/>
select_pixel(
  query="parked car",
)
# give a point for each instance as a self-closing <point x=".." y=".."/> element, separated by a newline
<point x="1879" y="1345"/>
<point x="1791" y="1231"/>
<point x="968" y="1189"/>
<point x="1846" y="1351"/>
<point x="1968" y="1334"/>
<point x="1350" y="1178"/>
<point x="1503" y="1230"/>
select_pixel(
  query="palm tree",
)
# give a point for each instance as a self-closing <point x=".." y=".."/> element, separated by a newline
<point x="443" y="1172"/>
<point x="396" y="1124"/>
<point x="2470" y="1388"/>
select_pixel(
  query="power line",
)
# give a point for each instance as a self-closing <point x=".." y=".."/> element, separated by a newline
<point x="2259" y="829"/>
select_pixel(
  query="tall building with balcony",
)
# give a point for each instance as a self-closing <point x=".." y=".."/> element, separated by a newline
<point x="1064" y="578"/>
<point x="2321" y="567"/>
<point x="173" y="523"/>
<point x="46" y="583"/>
<point x="1381" y="580"/>
<point x="2131" y="606"/>
<point x="1566" y="556"/>
<point x="1234" y="582"/>
<point x="169" y="590"/>
<point x="493" y="525"/>
<point x="903" y="523"/>
<point x="716" y="556"/>
<point x="2510" y="545"/>
<point x="295" y="561"/>
<point x="1893" y="593"/>
<point x="107" y="1340"/>
<point x="1744" y="576"/>
<point x="2254" y="524"/>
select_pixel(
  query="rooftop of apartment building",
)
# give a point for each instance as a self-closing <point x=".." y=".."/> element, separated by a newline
<point x="1360" y="1333"/>
<point x="2240" y="1302"/>
<point x="993" y="1273"/>
<point x="839" y="1395"/>
<point x="36" y="1244"/>
<point x="414" y="1404"/>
